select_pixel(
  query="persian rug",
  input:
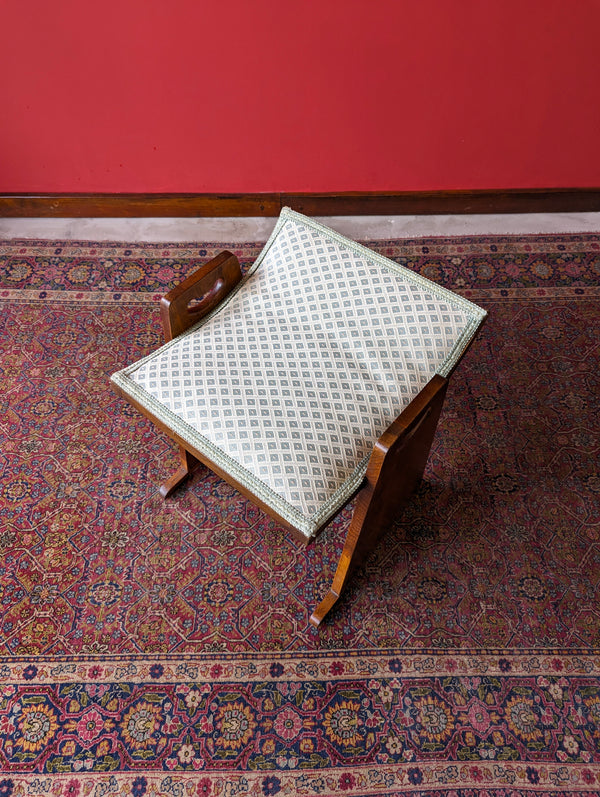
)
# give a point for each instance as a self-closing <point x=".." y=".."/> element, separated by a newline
<point x="152" y="647"/>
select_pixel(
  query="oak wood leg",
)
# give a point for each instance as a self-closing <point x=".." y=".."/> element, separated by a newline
<point x="395" y="469"/>
<point x="188" y="462"/>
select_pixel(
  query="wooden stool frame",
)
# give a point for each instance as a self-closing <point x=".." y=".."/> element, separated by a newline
<point x="396" y="464"/>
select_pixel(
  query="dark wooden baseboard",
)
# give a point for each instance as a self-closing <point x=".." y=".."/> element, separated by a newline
<point x="349" y="203"/>
<point x="139" y="205"/>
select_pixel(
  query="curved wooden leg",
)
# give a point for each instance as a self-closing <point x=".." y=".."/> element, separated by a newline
<point x="362" y="536"/>
<point x="188" y="461"/>
<point x="346" y="564"/>
<point x="395" y="469"/>
<point x="329" y="600"/>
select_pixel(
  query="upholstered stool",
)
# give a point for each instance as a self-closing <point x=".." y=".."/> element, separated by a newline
<point x="319" y="374"/>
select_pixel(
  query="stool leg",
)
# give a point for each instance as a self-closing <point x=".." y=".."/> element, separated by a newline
<point x="188" y="462"/>
<point x="395" y="469"/>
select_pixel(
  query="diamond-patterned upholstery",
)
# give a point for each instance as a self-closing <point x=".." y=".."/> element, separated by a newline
<point x="290" y="381"/>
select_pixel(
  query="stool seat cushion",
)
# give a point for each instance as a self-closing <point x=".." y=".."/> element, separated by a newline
<point x="289" y="382"/>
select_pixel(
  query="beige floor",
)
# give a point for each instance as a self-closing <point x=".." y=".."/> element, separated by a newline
<point x="234" y="230"/>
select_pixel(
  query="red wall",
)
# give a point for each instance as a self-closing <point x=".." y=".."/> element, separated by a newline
<point x="277" y="95"/>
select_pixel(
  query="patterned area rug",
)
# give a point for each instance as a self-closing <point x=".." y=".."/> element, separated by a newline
<point x="163" y="648"/>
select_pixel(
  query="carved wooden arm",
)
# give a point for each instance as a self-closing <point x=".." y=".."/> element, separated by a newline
<point x="198" y="294"/>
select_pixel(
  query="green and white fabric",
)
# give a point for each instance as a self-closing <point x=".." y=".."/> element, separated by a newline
<point x="288" y="384"/>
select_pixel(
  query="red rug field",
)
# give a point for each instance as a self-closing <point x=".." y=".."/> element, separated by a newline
<point x="163" y="648"/>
